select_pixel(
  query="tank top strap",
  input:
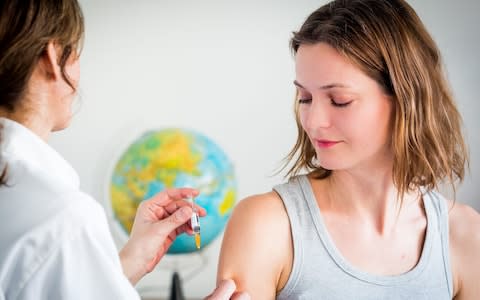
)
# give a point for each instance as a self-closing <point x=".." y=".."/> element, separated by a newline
<point x="438" y="204"/>
<point x="293" y="200"/>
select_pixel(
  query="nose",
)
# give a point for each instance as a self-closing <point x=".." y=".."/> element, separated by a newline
<point x="317" y="115"/>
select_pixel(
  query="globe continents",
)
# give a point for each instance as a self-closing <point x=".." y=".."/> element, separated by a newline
<point x="174" y="158"/>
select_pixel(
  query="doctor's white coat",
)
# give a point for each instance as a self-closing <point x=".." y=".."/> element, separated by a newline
<point x="55" y="241"/>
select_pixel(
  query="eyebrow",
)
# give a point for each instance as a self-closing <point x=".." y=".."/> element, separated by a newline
<point x="324" y="87"/>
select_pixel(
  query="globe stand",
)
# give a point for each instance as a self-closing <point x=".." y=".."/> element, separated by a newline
<point x="176" y="290"/>
<point x="180" y="269"/>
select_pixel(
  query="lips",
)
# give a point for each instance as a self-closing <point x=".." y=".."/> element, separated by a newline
<point x="325" y="143"/>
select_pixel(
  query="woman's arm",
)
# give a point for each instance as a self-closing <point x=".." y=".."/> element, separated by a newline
<point x="257" y="251"/>
<point x="464" y="223"/>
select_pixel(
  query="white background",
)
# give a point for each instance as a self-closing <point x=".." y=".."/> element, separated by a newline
<point x="224" y="68"/>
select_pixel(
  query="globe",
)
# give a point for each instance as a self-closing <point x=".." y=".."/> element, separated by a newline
<point x="174" y="157"/>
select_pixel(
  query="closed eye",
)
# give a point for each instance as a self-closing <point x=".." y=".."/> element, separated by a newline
<point x="339" y="104"/>
<point x="305" y="101"/>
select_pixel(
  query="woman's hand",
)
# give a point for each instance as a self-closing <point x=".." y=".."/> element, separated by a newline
<point x="159" y="220"/>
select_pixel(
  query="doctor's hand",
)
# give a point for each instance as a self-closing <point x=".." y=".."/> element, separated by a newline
<point x="159" y="220"/>
<point x="226" y="290"/>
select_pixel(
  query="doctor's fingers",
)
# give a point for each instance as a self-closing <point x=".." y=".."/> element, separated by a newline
<point x="175" y="205"/>
<point x="174" y="221"/>
<point x="241" y="296"/>
<point x="166" y="196"/>
<point x="226" y="290"/>
<point x="169" y="207"/>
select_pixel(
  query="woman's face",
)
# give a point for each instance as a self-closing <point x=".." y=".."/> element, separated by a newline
<point x="345" y="113"/>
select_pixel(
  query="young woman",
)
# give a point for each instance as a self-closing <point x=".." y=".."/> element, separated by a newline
<point x="378" y="131"/>
<point x="54" y="240"/>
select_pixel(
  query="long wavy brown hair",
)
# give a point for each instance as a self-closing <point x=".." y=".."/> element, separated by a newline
<point x="26" y="28"/>
<point x="388" y="42"/>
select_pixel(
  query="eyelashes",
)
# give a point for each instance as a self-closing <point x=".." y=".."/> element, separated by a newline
<point x="304" y="101"/>
<point x="340" y="104"/>
<point x="334" y="102"/>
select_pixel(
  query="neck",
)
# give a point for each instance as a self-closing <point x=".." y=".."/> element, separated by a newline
<point x="37" y="121"/>
<point x="369" y="195"/>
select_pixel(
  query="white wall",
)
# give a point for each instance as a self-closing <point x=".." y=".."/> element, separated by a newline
<point x="455" y="27"/>
<point x="223" y="68"/>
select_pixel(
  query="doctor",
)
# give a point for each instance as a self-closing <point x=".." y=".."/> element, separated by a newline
<point x="54" y="239"/>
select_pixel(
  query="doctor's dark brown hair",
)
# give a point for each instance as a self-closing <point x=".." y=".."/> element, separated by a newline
<point x="26" y="27"/>
<point x="389" y="43"/>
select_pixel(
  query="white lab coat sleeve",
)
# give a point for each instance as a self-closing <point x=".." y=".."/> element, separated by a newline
<point x="85" y="264"/>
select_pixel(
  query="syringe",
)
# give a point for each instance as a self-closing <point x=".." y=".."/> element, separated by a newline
<point x="195" y="222"/>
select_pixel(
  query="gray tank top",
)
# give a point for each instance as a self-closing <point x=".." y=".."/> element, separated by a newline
<point x="321" y="272"/>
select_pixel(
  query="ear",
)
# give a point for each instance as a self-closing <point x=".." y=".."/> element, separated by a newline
<point x="49" y="62"/>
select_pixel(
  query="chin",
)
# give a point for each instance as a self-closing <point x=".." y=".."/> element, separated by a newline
<point x="62" y="124"/>
<point x="334" y="164"/>
<point x="330" y="167"/>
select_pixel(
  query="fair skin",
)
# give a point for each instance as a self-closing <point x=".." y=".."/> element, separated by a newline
<point x="348" y="119"/>
<point x="46" y="107"/>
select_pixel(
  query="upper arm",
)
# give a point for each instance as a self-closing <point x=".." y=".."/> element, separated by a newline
<point x="257" y="247"/>
<point x="464" y="223"/>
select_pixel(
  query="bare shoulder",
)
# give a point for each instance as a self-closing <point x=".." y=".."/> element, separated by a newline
<point x="256" y="245"/>
<point x="258" y="213"/>
<point x="262" y="207"/>
<point x="464" y="224"/>
<point x="464" y="237"/>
